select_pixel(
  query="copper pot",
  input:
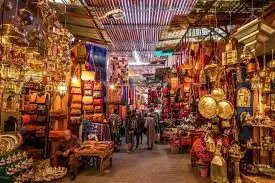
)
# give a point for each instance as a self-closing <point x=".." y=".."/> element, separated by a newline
<point x="251" y="67"/>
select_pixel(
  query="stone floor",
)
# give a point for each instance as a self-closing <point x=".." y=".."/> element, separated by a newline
<point x="157" y="166"/>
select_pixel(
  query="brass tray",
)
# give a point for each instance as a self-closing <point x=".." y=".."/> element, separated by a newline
<point x="5" y="146"/>
<point x="208" y="106"/>
<point x="226" y="109"/>
<point x="218" y="94"/>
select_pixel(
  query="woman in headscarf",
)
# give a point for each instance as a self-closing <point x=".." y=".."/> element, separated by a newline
<point x="150" y="125"/>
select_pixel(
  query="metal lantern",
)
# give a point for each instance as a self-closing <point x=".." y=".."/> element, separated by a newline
<point x="62" y="88"/>
<point x="218" y="168"/>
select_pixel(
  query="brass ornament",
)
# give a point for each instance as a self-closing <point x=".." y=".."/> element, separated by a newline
<point x="218" y="94"/>
<point x="208" y="106"/>
<point x="243" y="97"/>
<point x="226" y="109"/>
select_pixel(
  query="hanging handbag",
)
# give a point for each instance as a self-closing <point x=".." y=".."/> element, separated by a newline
<point x="32" y="98"/>
<point x="97" y="102"/>
<point x="88" y="117"/>
<point x="75" y="111"/>
<point x="165" y="91"/>
<point x="97" y="94"/>
<point x="75" y="119"/>
<point x="76" y="98"/>
<point x="88" y="108"/>
<point x="88" y="92"/>
<point x="41" y="119"/>
<point x="87" y="100"/>
<point x="98" y="86"/>
<point x="98" y="109"/>
<point x="30" y="107"/>
<point x="88" y="75"/>
<point x="75" y="90"/>
<point x="41" y="99"/>
<point x="98" y="117"/>
<point x="88" y="85"/>
<point x="76" y="83"/>
<point x="76" y="106"/>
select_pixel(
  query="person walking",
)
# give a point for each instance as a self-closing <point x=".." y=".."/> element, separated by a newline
<point x="150" y="125"/>
<point x="130" y="126"/>
<point x="115" y="129"/>
<point x="138" y="130"/>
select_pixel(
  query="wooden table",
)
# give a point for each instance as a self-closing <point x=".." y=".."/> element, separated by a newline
<point x="105" y="156"/>
<point x="256" y="179"/>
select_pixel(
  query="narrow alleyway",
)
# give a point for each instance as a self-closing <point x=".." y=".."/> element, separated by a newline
<point x="157" y="166"/>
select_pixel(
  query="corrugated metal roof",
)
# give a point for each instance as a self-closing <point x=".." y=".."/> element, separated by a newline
<point x="142" y="25"/>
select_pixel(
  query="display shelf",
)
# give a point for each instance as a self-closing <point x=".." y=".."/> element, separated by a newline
<point x="256" y="179"/>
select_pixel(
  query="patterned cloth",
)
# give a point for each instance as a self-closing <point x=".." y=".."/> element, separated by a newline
<point x="115" y="123"/>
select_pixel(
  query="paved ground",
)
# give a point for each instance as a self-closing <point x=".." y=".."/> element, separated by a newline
<point x="157" y="166"/>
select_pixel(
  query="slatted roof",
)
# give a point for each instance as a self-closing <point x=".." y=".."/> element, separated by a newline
<point x="143" y="23"/>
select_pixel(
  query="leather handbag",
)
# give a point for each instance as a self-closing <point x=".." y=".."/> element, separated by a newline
<point x="88" y="117"/>
<point x="76" y="83"/>
<point x="76" y="98"/>
<point x="97" y="102"/>
<point x="88" y="108"/>
<point x="75" y="119"/>
<point x="30" y="107"/>
<point x="32" y="98"/>
<point x="97" y="94"/>
<point x="75" y="90"/>
<point x="98" y="86"/>
<point x="165" y="91"/>
<point x="87" y="100"/>
<point x="98" y="109"/>
<point x="98" y="117"/>
<point x="41" y="99"/>
<point x="75" y="111"/>
<point x="76" y="106"/>
<point x="88" y="85"/>
<point x="88" y="92"/>
<point x="88" y="75"/>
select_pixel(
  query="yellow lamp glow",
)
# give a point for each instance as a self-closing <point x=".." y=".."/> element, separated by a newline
<point x="74" y="79"/>
<point x="112" y="86"/>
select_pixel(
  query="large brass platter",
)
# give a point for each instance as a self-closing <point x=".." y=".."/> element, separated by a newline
<point x="226" y="109"/>
<point x="218" y="94"/>
<point x="208" y="107"/>
<point x="5" y="146"/>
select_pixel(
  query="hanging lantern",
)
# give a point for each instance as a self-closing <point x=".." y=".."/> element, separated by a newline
<point x="229" y="57"/>
<point x="218" y="166"/>
<point x="62" y="88"/>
